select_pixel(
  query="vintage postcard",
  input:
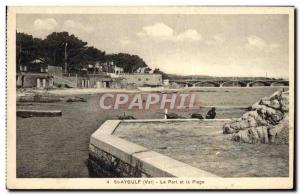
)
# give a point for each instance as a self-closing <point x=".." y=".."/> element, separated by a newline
<point x="150" y="97"/>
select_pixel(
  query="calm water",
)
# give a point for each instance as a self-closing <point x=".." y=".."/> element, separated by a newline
<point x="58" y="146"/>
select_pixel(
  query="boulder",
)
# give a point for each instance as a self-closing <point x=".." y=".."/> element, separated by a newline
<point x="270" y="115"/>
<point x="284" y="102"/>
<point x="252" y="135"/>
<point x="241" y="136"/>
<point x="275" y="104"/>
<point x="255" y="105"/>
<point x="228" y="130"/>
<point x="266" y="122"/>
<point x="276" y="95"/>
<point x="279" y="133"/>
<point x="76" y="99"/>
<point x="252" y="114"/>
<point x="274" y="116"/>
<point x="261" y="121"/>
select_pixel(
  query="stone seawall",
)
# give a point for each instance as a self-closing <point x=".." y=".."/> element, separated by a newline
<point x="266" y="122"/>
<point x="101" y="163"/>
<point x="111" y="156"/>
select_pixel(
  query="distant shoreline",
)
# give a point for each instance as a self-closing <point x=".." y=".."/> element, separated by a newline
<point x="90" y="91"/>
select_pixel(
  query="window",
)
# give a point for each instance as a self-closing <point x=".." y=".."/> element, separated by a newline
<point x="147" y="79"/>
<point x="139" y="79"/>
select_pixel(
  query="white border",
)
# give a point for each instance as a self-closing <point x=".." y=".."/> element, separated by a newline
<point x="104" y="2"/>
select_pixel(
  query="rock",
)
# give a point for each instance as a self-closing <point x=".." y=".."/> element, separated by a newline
<point x="271" y="103"/>
<point x="269" y="114"/>
<point x="228" y="130"/>
<point x="262" y="110"/>
<point x="126" y="117"/>
<point x="278" y="133"/>
<point x="173" y="116"/>
<point x="241" y="136"/>
<point x="252" y="114"/>
<point x="252" y="135"/>
<point x="240" y="125"/>
<point x="254" y="106"/>
<point x="264" y="101"/>
<point x="276" y="95"/>
<point x="274" y="116"/>
<point x="252" y="122"/>
<point x="261" y="134"/>
<point x="261" y="121"/>
<point x="266" y="122"/>
<point x="76" y="99"/>
<point x="197" y="115"/>
<point x="284" y="102"/>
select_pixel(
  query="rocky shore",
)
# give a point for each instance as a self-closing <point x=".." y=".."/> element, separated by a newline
<point x="266" y="122"/>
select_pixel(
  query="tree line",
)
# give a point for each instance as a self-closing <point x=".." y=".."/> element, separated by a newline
<point x="59" y="48"/>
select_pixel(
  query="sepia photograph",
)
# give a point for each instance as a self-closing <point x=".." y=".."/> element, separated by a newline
<point x="170" y="97"/>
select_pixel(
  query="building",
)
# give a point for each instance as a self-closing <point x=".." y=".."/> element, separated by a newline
<point x="106" y="75"/>
<point x="166" y="82"/>
<point x="118" y="70"/>
<point x="40" y="80"/>
<point x="94" y="69"/>
<point x="143" y="70"/>
<point x="121" y="81"/>
<point x="95" y="81"/>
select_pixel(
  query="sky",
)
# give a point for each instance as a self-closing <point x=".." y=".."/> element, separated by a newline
<point x="184" y="44"/>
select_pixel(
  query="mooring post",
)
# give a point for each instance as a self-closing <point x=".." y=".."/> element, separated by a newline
<point x="166" y="112"/>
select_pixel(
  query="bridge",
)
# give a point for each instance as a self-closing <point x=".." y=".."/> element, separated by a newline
<point x="229" y="83"/>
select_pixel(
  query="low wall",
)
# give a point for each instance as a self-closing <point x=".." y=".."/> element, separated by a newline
<point x="111" y="156"/>
<point x="39" y="113"/>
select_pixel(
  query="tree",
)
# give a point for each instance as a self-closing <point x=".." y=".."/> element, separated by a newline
<point x="60" y="47"/>
<point x="130" y="63"/>
<point x="89" y="55"/>
<point x="93" y="55"/>
<point x="158" y="71"/>
<point x="28" y="49"/>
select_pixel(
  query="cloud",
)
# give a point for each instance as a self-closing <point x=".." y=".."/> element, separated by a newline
<point x="259" y="44"/>
<point x="46" y="24"/>
<point x="215" y="40"/>
<point x="42" y="27"/>
<point x="190" y="34"/>
<point x="71" y="25"/>
<point x="160" y="31"/>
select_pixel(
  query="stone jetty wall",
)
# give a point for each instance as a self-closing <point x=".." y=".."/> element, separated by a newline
<point x="266" y="122"/>
<point x="103" y="164"/>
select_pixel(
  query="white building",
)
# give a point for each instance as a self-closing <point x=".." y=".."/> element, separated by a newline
<point x="118" y="70"/>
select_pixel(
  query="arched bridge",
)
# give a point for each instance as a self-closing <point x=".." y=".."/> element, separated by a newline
<point x="229" y="83"/>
